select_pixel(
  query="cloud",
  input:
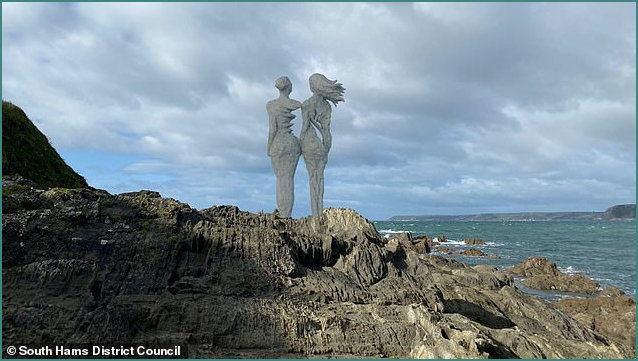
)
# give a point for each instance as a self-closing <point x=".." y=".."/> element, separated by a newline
<point x="449" y="107"/>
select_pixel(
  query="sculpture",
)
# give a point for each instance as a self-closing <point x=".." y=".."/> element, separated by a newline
<point x="283" y="146"/>
<point x="316" y="112"/>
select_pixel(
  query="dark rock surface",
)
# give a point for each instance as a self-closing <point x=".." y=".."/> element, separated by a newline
<point x="84" y="266"/>
<point x="541" y="274"/>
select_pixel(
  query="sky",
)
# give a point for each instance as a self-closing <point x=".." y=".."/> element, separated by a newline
<point x="450" y="108"/>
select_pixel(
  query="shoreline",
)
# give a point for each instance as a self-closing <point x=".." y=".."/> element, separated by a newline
<point x="574" y="246"/>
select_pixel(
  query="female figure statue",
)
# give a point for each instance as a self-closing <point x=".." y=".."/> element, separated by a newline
<point x="283" y="146"/>
<point x="315" y="112"/>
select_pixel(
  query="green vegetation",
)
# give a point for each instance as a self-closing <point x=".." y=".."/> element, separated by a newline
<point x="17" y="188"/>
<point x="27" y="152"/>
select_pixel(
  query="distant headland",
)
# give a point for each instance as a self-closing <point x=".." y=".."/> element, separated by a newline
<point x="617" y="212"/>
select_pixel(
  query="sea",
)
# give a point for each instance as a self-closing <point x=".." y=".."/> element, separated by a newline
<point x="604" y="251"/>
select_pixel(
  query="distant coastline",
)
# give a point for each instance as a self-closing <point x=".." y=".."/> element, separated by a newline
<point x="617" y="212"/>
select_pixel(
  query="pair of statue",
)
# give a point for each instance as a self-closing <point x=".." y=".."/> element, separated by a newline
<point x="284" y="148"/>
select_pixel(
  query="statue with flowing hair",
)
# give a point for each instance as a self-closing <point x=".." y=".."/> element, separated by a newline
<point x="283" y="146"/>
<point x="316" y="113"/>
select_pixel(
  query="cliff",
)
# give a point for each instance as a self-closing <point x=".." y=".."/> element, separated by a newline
<point x="85" y="266"/>
<point x="624" y="211"/>
<point x="27" y="152"/>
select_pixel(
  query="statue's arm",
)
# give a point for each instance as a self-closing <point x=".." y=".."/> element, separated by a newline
<point x="305" y="117"/>
<point x="272" y="129"/>
<point x="325" y="129"/>
<point x="326" y="136"/>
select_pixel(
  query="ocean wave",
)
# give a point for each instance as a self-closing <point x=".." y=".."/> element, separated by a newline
<point x="391" y="231"/>
<point x="570" y="270"/>
<point x="494" y="244"/>
<point x="449" y="241"/>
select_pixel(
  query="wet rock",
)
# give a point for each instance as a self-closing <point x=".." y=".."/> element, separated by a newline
<point x="470" y="252"/>
<point x="474" y="241"/>
<point x="473" y="252"/>
<point x="542" y="274"/>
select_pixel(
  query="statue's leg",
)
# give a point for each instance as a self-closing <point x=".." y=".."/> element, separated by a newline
<point x="310" y="166"/>
<point x="285" y="167"/>
<point x="320" y="169"/>
<point x="288" y="185"/>
<point x="315" y="167"/>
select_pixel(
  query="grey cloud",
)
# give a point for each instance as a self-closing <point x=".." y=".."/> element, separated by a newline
<point x="436" y="93"/>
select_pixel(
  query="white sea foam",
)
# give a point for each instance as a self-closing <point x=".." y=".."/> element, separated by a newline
<point x="390" y="231"/>
<point x="568" y="270"/>
<point x="494" y="244"/>
<point x="453" y="242"/>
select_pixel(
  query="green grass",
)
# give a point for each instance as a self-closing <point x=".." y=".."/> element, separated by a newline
<point x="27" y="152"/>
<point x="17" y="188"/>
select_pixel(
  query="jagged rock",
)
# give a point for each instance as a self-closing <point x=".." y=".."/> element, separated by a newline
<point x="611" y="313"/>
<point x="403" y="237"/>
<point x="544" y="275"/>
<point x="419" y="244"/>
<point x="474" y="241"/>
<point x="535" y="266"/>
<point x="424" y="244"/>
<point x="230" y="283"/>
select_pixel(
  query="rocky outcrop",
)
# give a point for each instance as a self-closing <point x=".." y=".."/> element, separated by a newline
<point x="611" y="313"/>
<point x="419" y="245"/>
<point x="541" y="274"/>
<point x="470" y="252"/>
<point x="84" y="266"/>
<point x="474" y="241"/>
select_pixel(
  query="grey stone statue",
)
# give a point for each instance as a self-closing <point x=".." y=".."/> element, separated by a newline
<point x="316" y="112"/>
<point x="283" y="146"/>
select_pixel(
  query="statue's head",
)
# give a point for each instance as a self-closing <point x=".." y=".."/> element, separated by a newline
<point x="283" y="84"/>
<point x="317" y="81"/>
<point x="328" y="89"/>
